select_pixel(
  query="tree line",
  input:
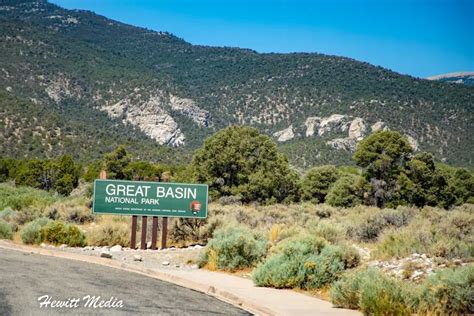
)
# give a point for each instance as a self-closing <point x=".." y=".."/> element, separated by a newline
<point x="241" y="163"/>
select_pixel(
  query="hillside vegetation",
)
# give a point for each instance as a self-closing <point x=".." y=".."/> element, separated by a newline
<point x="76" y="82"/>
<point x="390" y="236"/>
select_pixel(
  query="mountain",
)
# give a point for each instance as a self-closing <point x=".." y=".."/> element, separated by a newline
<point x="76" y="82"/>
<point x="466" y="78"/>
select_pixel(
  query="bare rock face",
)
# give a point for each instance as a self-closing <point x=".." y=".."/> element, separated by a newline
<point x="347" y="143"/>
<point x="413" y="142"/>
<point x="189" y="108"/>
<point x="335" y="122"/>
<point x="311" y="123"/>
<point x="151" y="113"/>
<point x="378" y="126"/>
<point x="322" y="125"/>
<point x="357" y="129"/>
<point x="284" y="135"/>
<point x="150" y="117"/>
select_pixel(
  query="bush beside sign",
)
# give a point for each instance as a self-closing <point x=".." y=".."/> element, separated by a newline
<point x="150" y="198"/>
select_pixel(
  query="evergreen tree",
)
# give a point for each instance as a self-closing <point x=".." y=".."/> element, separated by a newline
<point x="317" y="181"/>
<point x="240" y="161"/>
<point x="116" y="162"/>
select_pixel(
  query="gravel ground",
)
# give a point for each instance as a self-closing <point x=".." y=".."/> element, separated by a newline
<point x="171" y="258"/>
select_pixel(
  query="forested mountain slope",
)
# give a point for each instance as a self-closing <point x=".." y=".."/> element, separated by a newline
<point x="76" y="82"/>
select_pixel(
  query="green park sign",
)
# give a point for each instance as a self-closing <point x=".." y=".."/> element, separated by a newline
<point x="150" y="198"/>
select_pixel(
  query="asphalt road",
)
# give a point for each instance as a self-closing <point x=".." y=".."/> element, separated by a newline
<point x="25" y="277"/>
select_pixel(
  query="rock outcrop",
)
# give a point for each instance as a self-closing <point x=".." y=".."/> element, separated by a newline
<point x="378" y="126"/>
<point x="285" y="135"/>
<point x="323" y="125"/>
<point x="311" y="123"/>
<point x="189" y="108"/>
<point x="150" y="117"/>
<point x="413" y="142"/>
<point x="333" y="123"/>
<point x="357" y="129"/>
<point x="152" y="114"/>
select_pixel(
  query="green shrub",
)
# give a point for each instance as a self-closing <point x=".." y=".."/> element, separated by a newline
<point x="325" y="268"/>
<point x="329" y="231"/>
<point x="448" y="235"/>
<point x="31" y="232"/>
<point x="19" y="198"/>
<point x="304" y="262"/>
<point x="110" y="234"/>
<point x="368" y="223"/>
<point x="373" y="293"/>
<point x="458" y="225"/>
<point x="5" y="230"/>
<point x="57" y="232"/>
<point x="346" y="292"/>
<point x="368" y="228"/>
<point x="301" y="243"/>
<point x="324" y="210"/>
<point x="7" y="214"/>
<point x="233" y="248"/>
<point x="54" y="232"/>
<point x="448" y="292"/>
<point x="27" y="215"/>
<point x="75" y="237"/>
<point x="280" y="271"/>
<point x="10" y="216"/>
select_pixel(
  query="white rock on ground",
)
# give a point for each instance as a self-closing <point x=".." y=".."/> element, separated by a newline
<point x="116" y="248"/>
<point x="137" y="258"/>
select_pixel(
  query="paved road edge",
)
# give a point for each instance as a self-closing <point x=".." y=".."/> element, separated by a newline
<point x="220" y="294"/>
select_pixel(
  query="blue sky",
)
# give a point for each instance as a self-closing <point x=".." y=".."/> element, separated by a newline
<point x="416" y="37"/>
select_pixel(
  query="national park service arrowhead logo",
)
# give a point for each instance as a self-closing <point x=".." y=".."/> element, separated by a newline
<point x="195" y="207"/>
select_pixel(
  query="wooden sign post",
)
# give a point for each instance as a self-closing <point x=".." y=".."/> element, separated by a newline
<point x="133" y="237"/>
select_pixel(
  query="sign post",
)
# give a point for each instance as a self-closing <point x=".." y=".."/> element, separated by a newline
<point x="143" y="239"/>
<point x="133" y="238"/>
<point x="142" y="198"/>
<point x="145" y="198"/>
